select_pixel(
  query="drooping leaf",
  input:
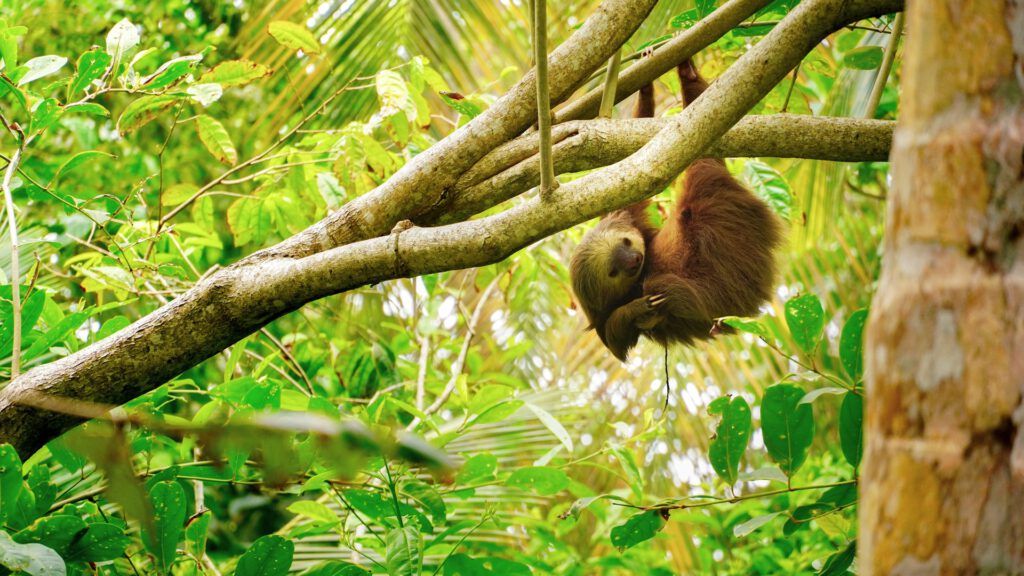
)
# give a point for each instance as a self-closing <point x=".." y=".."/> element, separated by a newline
<point x="553" y="425"/>
<point x="637" y="529"/>
<point x="741" y="530"/>
<point x="851" y="344"/>
<point x="851" y="428"/>
<point x="101" y="542"/>
<point x="788" y="426"/>
<point x="295" y="36"/>
<point x="805" y="318"/>
<point x="747" y="325"/>
<point x="57" y="532"/>
<point x="170" y="72"/>
<point x="215" y="138"/>
<point x="819" y="392"/>
<point x="730" y="439"/>
<point x="168" y="500"/>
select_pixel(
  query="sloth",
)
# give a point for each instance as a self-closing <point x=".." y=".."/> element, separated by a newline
<point x="713" y="256"/>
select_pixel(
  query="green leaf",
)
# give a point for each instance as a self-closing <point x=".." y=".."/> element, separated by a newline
<point x="741" y="530"/>
<point x="747" y="325"/>
<point x="730" y="439"/>
<point x="112" y="326"/>
<point x="78" y="160"/>
<point x="178" y="193"/>
<point x="335" y="568"/>
<point x="169" y="508"/>
<point x="46" y="112"/>
<point x="805" y="318"/>
<point x="851" y="428"/>
<point x="100" y="543"/>
<point x="294" y="36"/>
<point x="770" y="185"/>
<point x="313" y="509"/>
<point x="864" y="58"/>
<point x="144" y="110"/>
<point x="32" y="559"/>
<point x="553" y="425"/>
<point x="122" y="38"/>
<point x="404" y="555"/>
<point x="465" y="106"/>
<point x="10" y="481"/>
<point x="250" y="221"/>
<point x="57" y="532"/>
<point x="91" y="67"/>
<point x="838" y="563"/>
<point x="480" y="467"/>
<point x="196" y="533"/>
<point x="539" y="479"/>
<point x="819" y="392"/>
<point x="851" y="344"/>
<point x="788" y="426"/>
<point x="268" y="556"/>
<point x="90" y="108"/>
<point x="393" y="94"/>
<point x="42" y="66"/>
<point x="638" y="528"/>
<point x="428" y="497"/>
<point x="215" y="138"/>
<point x="170" y="72"/>
<point x="582" y="504"/>
<point x="234" y="73"/>
<point x="44" y="490"/>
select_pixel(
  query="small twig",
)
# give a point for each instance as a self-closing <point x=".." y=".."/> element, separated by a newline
<point x="611" y="81"/>
<point x="811" y="369"/>
<point x="792" y="84"/>
<point x="12" y="229"/>
<point x="290" y="359"/>
<point x="736" y="499"/>
<point x="886" y="67"/>
<point x="421" y="376"/>
<point x="460" y="362"/>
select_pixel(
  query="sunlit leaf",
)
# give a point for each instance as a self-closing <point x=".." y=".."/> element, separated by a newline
<point x="295" y="36"/>
<point x="851" y="344"/>
<point x="404" y="554"/>
<point x="539" y="479"/>
<point x="32" y="559"/>
<point x="731" y="437"/>
<point x="144" y="110"/>
<point x="92" y="65"/>
<point x="234" y="73"/>
<point x="215" y="138"/>
<point x="41" y="66"/>
<point x="122" y="37"/>
<point x="637" y="529"/>
<point x="805" y="318"/>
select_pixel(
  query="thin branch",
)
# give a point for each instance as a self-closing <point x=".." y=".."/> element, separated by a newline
<point x="12" y="230"/>
<point x="460" y="362"/>
<point x="540" y="54"/>
<point x="611" y="80"/>
<point x="885" y="68"/>
<point x="736" y="499"/>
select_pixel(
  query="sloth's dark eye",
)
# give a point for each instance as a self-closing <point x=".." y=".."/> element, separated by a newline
<point x="614" y="273"/>
<point x="627" y="241"/>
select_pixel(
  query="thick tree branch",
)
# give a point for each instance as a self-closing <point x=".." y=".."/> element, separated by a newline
<point x="234" y="302"/>
<point x="427" y="179"/>
<point x="590" y="144"/>
<point x="666" y="57"/>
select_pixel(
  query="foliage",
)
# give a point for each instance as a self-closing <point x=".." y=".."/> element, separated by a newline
<point x="148" y="144"/>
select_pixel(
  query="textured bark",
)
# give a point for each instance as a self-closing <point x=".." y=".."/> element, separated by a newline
<point x="588" y="144"/>
<point x="231" y="303"/>
<point x="943" y="480"/>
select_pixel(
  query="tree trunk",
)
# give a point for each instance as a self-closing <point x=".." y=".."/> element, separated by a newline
<point x="943" y="478"/>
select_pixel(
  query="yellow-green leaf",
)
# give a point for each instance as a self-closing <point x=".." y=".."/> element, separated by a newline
<point x="234" y="73"/>
<point x="294" y="36"/>
<point x="215" y="137"/>
<point x="142" y="111"/>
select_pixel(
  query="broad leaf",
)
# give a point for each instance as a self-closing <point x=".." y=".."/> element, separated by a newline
<point x="169" y="508"/>
<point x="268" y="556"/>
<point x="539" y="479"/>
<point x="637" y="529"/>
<point x="294" y="36"/>
<point x="404" y="554"/>
<point x="215" y="138"/>
<point x="851" y="344"/>
<point x="788" y="426"/>
<point x="851" y="428"/>
<point x="805" y="318"/>
<point x="731" y="437"/>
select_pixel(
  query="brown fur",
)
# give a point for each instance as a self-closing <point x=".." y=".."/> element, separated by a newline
<point x="713" y="257"/>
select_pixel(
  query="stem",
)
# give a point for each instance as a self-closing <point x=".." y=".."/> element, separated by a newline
<point x="883" y="71"/>
<point x="611" y="81"/>
<point x="12" y="226"/>
<point x="394" y="495"/>
<point x="736" y="499"/>
<point x="540" y="53"/>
